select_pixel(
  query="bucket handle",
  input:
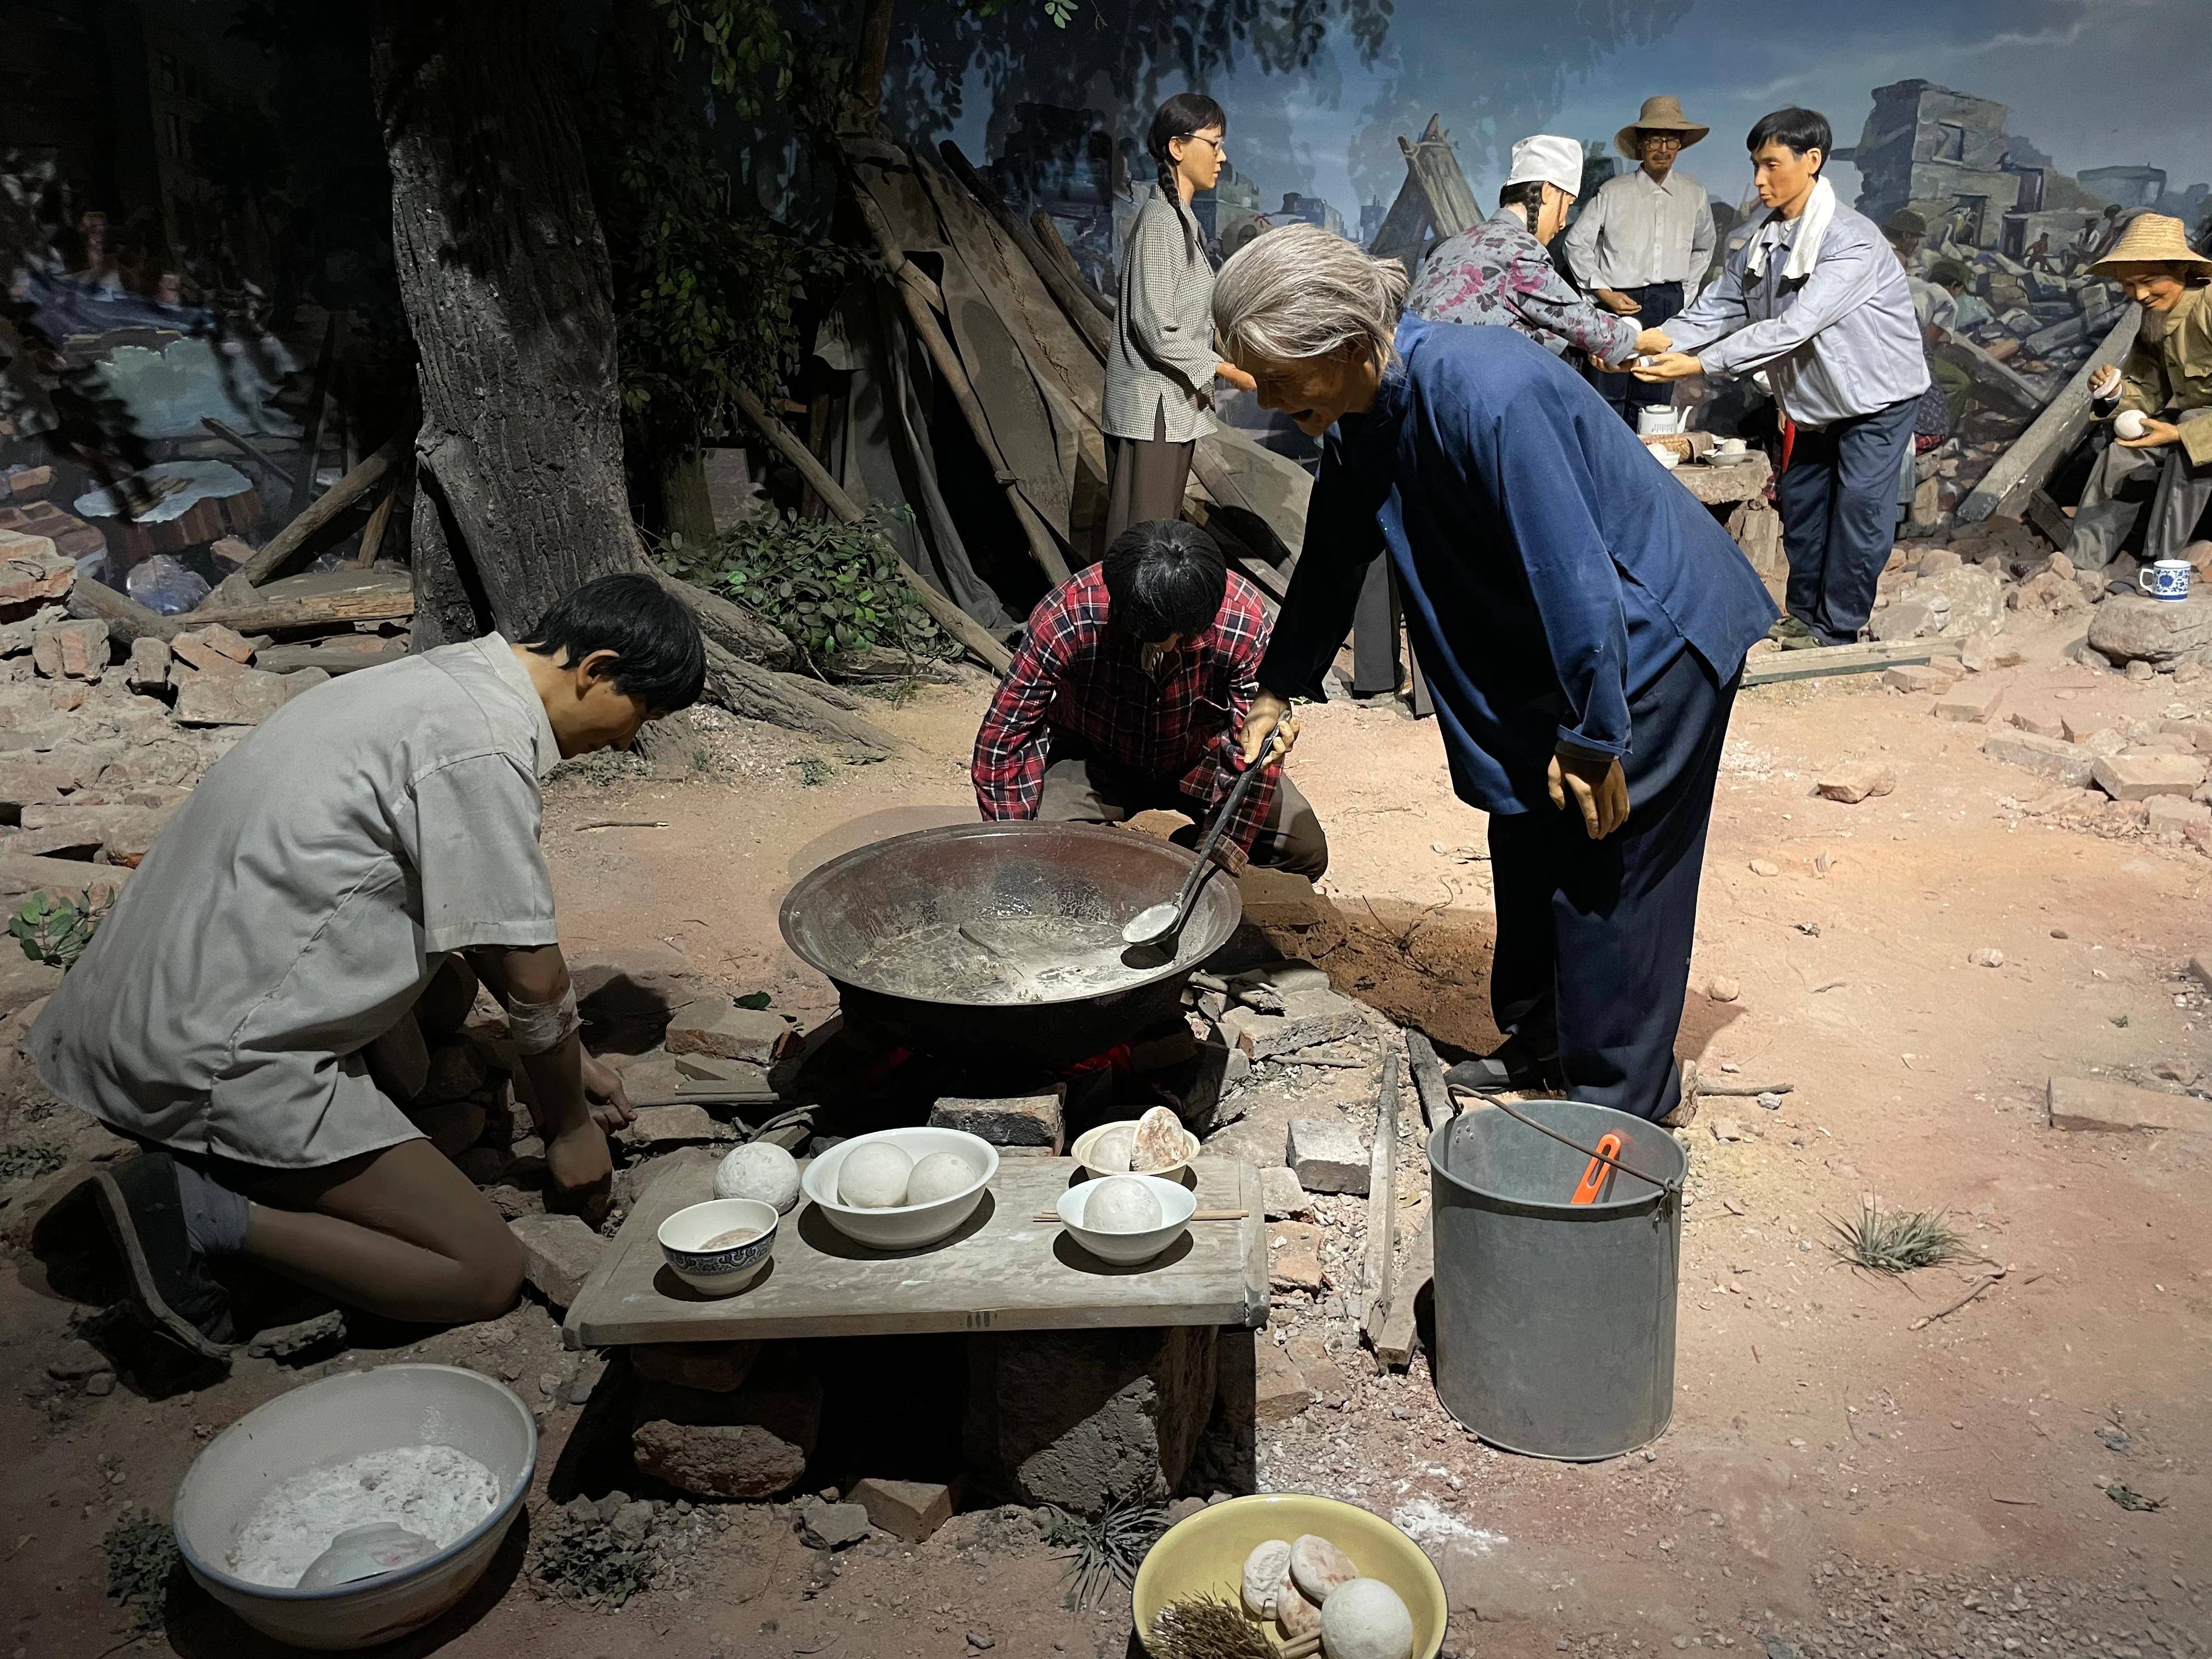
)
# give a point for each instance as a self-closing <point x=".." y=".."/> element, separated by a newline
<point x="1593" y="1153"/>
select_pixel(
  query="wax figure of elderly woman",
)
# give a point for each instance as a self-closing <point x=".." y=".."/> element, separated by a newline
<point x="2159" y="400"/>
<point x="1582" y="620"/>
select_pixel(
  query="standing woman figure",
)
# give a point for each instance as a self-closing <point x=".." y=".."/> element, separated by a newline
<point x="1161" y="370"/>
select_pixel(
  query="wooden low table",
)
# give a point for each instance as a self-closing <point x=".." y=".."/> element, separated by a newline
<point x="1002" y="1271"/>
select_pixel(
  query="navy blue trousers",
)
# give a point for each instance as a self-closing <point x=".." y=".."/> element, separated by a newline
<point x="1593" y="937"/>
<point x="1839" y="502"/>
<point x="1654" y="304"/>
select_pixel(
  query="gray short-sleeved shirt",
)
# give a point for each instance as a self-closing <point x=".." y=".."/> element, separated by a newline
<point x="297" y="904"/>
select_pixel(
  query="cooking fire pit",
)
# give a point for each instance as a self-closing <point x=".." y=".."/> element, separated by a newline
<point x="998" y="939"/>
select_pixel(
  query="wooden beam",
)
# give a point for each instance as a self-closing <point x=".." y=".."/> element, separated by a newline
<point x="372" y="596"/>
<point x="951" y="617"/>
<point x="1044" y="548"/>
<point x="379" y="519"/>
<point x="1048" y="239"/>
<point x="127" y="619"/>
<point x="1394" y="1338"/>
<point x="1428" y="1084"/>
<point x="246" y="447"/>
<point x="337" y="499"/>
<point x="310" y="444"/>
<point x="1088" y="321"/>
<point x="1818" y="661"/>
<point x="2036" y="454"/>
<point x="1380" y="1264"/>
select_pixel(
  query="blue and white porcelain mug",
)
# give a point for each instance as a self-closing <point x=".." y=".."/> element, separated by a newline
<point x="2166" y="580"/>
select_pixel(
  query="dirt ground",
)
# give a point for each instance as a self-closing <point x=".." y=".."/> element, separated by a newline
<point x="1836" y="1482"/>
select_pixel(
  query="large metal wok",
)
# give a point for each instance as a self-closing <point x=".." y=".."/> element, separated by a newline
<point x="847" y="918"/>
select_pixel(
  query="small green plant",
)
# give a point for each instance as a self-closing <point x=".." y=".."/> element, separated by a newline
<point x="702" y="759"/>
<point x="27" y="1160"/>
<point x="813" y="771"/>
<point x="606" y="767"/>
<point x="1105" y="1551"/>
<point x="142" y="1564"/>
<point x="834" y="587"/>
<point x="2132" y="1500"/>
<point x="1898" y="1243"/>
<point x="54" y="930"/>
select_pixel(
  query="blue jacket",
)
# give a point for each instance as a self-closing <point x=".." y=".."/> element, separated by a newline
<point x="1551" y="569"/>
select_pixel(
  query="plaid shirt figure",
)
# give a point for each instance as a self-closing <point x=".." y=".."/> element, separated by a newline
<point x="1075" y="677"/>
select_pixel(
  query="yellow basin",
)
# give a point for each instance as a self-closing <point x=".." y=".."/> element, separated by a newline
<point x="1205" y="1555"/>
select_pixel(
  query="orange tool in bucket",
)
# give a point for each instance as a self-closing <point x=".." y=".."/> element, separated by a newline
<point x="1592" y="1186"/>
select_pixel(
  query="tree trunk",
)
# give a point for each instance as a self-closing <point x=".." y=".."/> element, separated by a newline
<point x="505" y="280"/>
<point x="874" y="54"/>
<point x="520" y="494"/>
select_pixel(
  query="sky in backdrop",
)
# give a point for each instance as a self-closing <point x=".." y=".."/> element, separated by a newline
<point x="2090" y="83"/>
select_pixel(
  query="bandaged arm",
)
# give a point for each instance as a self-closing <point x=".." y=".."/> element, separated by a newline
<point x="541" y="1012"/>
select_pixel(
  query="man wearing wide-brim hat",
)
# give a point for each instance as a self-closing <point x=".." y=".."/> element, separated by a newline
<point x="1643" y="244"/>
<point x="2166" y="382"/>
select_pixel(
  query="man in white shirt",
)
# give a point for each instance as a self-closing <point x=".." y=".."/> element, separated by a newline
<point x="1645" y="239"/>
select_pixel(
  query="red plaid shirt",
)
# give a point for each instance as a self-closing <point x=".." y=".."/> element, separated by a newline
<point x="1072" y="675"/>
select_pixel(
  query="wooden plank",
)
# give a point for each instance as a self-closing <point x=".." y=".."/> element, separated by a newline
<point x="951" y="617"/>
<point x="325" y="599"/>
<point x="1817" y="662"/>
<point x="2036" y="454"/>
<point x="318" y="395"/>
<point x="1074" y="301"/>
<point x="342" y="655"/>
<point x="1048" y="239"/>
<point x="1428" y="1084"/>
<point x="246" y="446"/>
<point x="1394" y="1342"/>
<point x="331" y="503"/>
<point x="1380" y="1259"/>
<point x="1003" y="1271"/>
<point x="1452" y="206"/>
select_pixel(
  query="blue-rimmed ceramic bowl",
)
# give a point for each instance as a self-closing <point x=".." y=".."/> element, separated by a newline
<point x="689" y="1243"/>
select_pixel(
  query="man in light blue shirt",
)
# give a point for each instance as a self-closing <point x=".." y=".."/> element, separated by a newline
<point x="1816" y="300"/>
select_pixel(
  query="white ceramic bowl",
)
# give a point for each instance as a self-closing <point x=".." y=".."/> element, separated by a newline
<point x="724" y="1272"/>
<point x="1664" y="455"/>
<point x="1177" y="1202"/>
<point x="1081" y="1151"/>
<point x="333" y="1421"/>
<point x="902" y="1226"/>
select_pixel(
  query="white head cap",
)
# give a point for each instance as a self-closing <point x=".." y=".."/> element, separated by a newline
<point x="1555" y="161"/>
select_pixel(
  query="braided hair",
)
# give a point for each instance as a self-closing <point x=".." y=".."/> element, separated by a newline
<point x="1183" y="116"/>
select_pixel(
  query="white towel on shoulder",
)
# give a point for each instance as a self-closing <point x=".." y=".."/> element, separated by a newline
<point x="1812" y="226"/>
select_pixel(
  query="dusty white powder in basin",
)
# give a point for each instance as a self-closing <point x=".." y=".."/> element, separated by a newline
<point x="433" y="1491"/>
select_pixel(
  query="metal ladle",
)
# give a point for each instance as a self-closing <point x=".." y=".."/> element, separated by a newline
<point x="1158" y="924"/>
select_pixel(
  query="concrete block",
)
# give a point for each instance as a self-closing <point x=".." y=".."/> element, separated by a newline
<point x="240" y="696"/>
<point x="911" y="1510"/>
<point x="2043" y="722"/>
<point x="558" y="1254"/>
<point x="1013" y="1120"/>
<point x="2137" y="775"/>
<point x="1309" y="1018"/>
<point x="832" y="1526"/>
<point x="1280" y="1392"/>
<point x="1327" y="1155"/>
<point x="149" y="668"/>
<point x="683" y="1124"/>
<point x="1917" y="678"/>
<point x="1969" y="702"/>
<point x="71" y="650"/>
<point x="1279" y="1191"/>
<point x="2171" y="814"/>
<point x="2077" y="1103"/>
<point x="2049" y="757"/>
<point x="193" y="647"/>
<point x="1294" y="1257"/>
<point x="1085" y="1418"/>
<point x="713" y="1025"/>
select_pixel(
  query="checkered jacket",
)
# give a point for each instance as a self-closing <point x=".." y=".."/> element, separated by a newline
<point x="1075" y="675"/>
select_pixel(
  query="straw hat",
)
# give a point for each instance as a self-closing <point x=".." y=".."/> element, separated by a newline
<point x="2152" y="239"/>
<point x="1663" y="113"/>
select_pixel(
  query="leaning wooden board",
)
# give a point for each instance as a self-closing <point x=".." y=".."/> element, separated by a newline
<point x="1003" y="1271"/>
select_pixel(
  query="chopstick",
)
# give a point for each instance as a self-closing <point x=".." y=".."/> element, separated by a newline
<point x="1196" y="1215"/>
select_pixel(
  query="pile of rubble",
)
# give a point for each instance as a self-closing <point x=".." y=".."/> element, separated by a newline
<point x="98" y="742"/>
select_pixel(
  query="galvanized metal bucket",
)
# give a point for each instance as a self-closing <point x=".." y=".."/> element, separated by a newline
<point x="1555" y="1320"/>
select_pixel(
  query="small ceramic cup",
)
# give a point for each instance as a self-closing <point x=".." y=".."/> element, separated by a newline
<point x="691" y="1244"/>
<point x="2168" y="579"/>
<point x="1729" y="449"/>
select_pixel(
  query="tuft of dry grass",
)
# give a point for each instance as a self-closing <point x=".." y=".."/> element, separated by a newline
<point x="1898" y="1243"/>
